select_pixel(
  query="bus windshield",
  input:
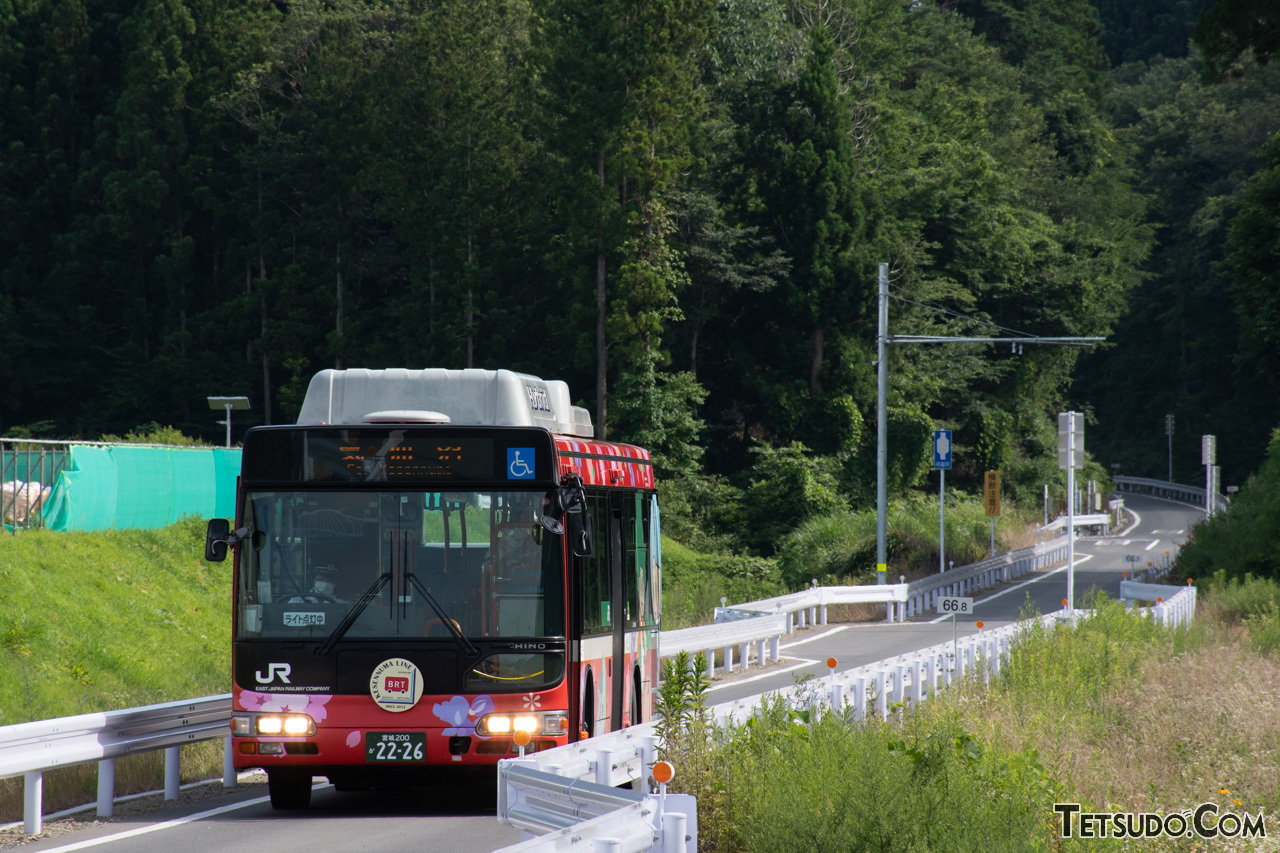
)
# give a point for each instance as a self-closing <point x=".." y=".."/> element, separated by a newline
<point x="404" y="561"/>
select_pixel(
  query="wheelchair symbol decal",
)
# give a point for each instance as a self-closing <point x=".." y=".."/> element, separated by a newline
<point x="519" y="463"/>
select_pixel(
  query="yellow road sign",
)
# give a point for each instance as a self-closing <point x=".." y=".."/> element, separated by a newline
<point x="991" y="493"/>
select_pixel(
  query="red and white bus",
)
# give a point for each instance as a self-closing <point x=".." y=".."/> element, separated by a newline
<point x="427" y="562"/>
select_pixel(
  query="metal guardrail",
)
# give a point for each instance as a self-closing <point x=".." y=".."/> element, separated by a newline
<point x="1170" y="605"/>
<point x="1101" y="519"/>
<point x="570" y="812"/>
<point x="31" y="749"/>
<point x="1162" y="489"/>
<point x="873" y="689"/>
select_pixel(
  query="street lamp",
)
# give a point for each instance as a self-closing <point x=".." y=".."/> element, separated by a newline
<point x="228" y="403"/>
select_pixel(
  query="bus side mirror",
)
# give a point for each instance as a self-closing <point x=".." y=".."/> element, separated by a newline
<point x="580" y="539"/>
<point x="218" y="536"/>
<point x="215" y="540"/>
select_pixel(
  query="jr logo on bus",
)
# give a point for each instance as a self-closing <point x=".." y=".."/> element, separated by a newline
<point x="519" y="463"/>
<point x="396" y="684"/>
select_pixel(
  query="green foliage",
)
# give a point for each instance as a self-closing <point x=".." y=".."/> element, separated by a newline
<point x="870" y="787"/>
<point x="840" y="547"/>
<point x="787" y="486"/>
<point x="1231" y="28"/>
<point x="1183" y="348"/>
<point x="96" y="621"/>
<point x="1245" y="539"/>
<point x="1255" y="260"/>
<point x="1059" y="668"/>
<point x="694" y="583"/>
<point x="154" y="433"/>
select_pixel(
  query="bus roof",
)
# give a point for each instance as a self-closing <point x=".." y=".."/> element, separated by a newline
<point x="472" y="396"/>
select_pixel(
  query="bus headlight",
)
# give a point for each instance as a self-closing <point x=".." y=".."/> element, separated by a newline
<point x="293" y="725"/>
<point x="544" y="723"/>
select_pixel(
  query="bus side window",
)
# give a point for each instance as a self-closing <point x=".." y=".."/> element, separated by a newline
<point x="595" y="572"/>
<point x="633" y="556"/>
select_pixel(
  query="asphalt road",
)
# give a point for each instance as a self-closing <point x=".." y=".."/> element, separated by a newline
<point x="462" y="819"/>
<point x="1157" y="531"/>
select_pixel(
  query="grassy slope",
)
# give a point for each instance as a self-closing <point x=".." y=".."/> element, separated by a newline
<point x="99" y="621"/>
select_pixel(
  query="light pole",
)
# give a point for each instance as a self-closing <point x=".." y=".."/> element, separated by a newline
<point x="228" y="403"/>
<point x="1168" y="431"/>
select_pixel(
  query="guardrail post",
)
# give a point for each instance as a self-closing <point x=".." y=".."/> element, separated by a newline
<point x="837" y="696"/>
<point x="228" y="764"/>
<point x="760" y="653"/>
<point x="32" y="802"/>
<point x="171" y="774"/>
<point x="710" y="658"/>
<point x="728" y="659"/>
<point x="648" y="757"/>
<point x="106" y="787"/>
<point x="773" y="647"/>
<point x="675" y="827"/>
<point x="790" y="622"/>
<point x="882" y="694"/>
<point x="824" y="614"/>
<point x="859" y="698"/>
<point x="917" y="684"/>
<point x="604" y="766"/>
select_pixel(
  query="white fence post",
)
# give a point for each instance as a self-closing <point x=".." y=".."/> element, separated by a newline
<point x="675" y="827"/>
<point x="32" y="802"/>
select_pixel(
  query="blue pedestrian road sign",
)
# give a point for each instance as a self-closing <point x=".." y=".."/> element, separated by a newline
<point x="942" y="449"/>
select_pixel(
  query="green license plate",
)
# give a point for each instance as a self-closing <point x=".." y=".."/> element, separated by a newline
<point x="383" y="747"/>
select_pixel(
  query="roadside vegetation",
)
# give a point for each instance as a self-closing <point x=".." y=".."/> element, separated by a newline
<point x="101" y="621"/>
<point x="1119" y="715"/>
<point x="1244" y="540"/>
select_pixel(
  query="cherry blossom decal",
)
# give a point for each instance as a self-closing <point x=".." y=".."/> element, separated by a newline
<point x="312" y="704"/>
<point x="462" y="715"/>
<point x="353" y="739"/>
<point x="532" y="701"/>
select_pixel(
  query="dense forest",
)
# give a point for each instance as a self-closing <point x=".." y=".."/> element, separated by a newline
<point x="678" y="206"/>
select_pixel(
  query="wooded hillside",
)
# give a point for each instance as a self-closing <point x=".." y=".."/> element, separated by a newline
<point x="675" y="205"/>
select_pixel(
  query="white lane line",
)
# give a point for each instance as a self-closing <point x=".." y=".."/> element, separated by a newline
<point x="835" y="630"/>
<point x="1080" y="558"/>
<point x="769" y="673"/>
<point x="1154" y="543"/>
<point x="1137" y="519"/>
<point x="168" y="824"/>
<point x="1127" y="542"/>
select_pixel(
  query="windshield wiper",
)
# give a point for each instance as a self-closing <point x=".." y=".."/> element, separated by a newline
<point x="343" y="626"/>
<point x="444" y="617"/>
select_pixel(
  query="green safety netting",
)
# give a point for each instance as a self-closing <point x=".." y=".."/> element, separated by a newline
<point x="126" y="486"/>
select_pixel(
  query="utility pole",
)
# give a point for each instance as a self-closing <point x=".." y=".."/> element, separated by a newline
<point x="883" y="339"/>
<point x="1168" y="431"/>
<point x="882" y="426"/>
<point x="1071" y="457"/>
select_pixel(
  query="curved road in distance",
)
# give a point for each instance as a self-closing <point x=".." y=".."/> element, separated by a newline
<point x="462" y="818"/>
<point x="1161" y="528"/>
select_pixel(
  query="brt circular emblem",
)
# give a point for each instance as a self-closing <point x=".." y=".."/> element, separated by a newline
<point x="396" y="685"/>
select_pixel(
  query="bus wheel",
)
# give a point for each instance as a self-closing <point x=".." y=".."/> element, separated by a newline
<point x="289" y="789"/>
